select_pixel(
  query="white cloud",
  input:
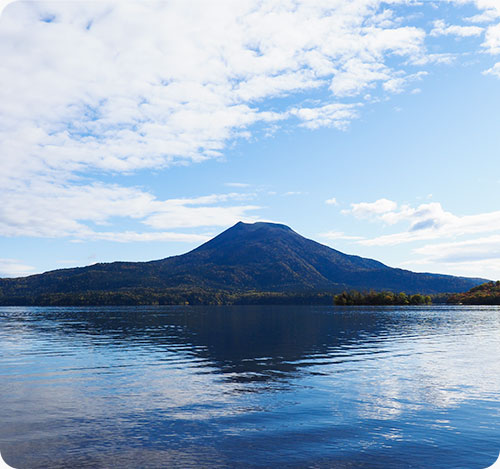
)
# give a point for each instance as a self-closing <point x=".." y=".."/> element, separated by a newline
<point x="490" y="10"/>
<point x="444" y="58"/>
<point x="474" y="250"/>
<point x="237" y="184"/>
<point x="442" y="29"/>
<point x="42" y="209"/>
<point x="4" y="3"/>
<point x="160" y="94"/>
<point x="289" y="193"/>
<point x="132" y="236"/>
<point x="333" y="235"/>
<point x="472" y="241"/>
<point x="14" y="268"/>
<point x="357" y="75"/>
<point x="495" y="70"/>
<point x="190" y="217"/>
<point x="330" y="115"/>
<point x="368" y="209"/>
<point x="478" y="257"/>
<point x="146" y="85"/>
<point x="492" y="39"/>
<point x="426" y="222"/>
<point x="398" y="84"/>
<point x="332" y="201"/>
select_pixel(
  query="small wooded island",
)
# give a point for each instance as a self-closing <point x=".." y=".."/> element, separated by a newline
<point x="387" y="298"/>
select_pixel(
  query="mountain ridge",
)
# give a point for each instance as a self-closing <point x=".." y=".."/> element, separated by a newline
<point x="246" y="257"/>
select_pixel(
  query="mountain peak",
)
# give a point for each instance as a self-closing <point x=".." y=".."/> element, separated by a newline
<point x="243" y="232"/>
<point x="260" y="225"/>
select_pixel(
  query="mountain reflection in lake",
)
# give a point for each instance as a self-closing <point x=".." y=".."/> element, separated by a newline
<point x="250" y="387"/>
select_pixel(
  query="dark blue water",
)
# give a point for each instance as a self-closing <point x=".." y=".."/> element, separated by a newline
<point x="233" y="387"/>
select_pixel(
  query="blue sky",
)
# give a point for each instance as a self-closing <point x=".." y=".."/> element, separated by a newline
<point x="138" y="130"/>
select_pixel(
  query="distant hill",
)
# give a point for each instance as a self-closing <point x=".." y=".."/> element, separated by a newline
<point x="484" y="294"/>
<point x="247" y="257"/>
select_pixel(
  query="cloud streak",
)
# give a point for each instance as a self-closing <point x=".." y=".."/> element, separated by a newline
<point x="14" y="268"/>
<point x="443" y="241"/>
<point x="425" y="222"/>
<point x="442" y="29"/>
<point x="44" y="209"/>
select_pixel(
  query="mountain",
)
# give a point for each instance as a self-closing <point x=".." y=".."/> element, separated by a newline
<point x="260" y="256"/>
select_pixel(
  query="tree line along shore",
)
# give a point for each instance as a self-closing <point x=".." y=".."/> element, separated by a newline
<point x="487" y="294"/>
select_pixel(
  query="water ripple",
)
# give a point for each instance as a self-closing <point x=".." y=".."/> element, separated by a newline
<point x="250" y="387"/>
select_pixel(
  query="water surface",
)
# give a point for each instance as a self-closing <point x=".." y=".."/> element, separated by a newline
<point x="230" y="387"/>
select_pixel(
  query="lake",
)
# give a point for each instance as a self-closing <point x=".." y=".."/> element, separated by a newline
<point x="250" y="386"/>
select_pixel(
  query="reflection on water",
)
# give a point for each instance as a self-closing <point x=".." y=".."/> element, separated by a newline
<point x="250" y="387"/>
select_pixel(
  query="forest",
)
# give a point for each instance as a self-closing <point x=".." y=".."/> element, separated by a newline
<point x="388" y="298"/>
<point x="485" y="294"/>
<point x="198" y="296"/>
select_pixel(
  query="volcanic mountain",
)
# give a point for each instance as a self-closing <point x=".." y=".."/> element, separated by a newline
<point x="247" y="257"/>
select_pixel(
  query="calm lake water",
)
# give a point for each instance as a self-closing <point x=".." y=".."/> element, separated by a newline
<point x="230" y="387"/>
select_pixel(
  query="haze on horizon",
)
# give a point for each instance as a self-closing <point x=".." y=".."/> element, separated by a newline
<point x="136" y="131"/>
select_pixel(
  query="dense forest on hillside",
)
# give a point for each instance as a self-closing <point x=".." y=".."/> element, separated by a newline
<point x="150" y="296"/>
<point x="484" y="294"/>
